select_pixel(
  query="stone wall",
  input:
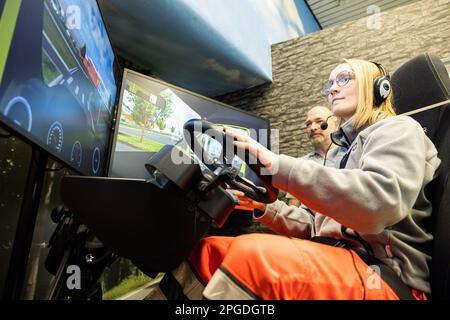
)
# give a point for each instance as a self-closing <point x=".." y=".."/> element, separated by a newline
<point x="301" y="66"/>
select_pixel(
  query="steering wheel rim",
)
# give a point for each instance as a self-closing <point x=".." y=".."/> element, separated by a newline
<point x="265" y="194"/>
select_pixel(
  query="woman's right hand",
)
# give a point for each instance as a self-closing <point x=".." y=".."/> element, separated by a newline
<point x="266" y="157"/>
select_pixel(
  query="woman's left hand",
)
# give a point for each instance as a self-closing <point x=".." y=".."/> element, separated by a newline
<point x="245" y="201"/>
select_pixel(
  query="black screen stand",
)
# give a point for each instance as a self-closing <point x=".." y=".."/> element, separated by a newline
<point x="25" y="226"/>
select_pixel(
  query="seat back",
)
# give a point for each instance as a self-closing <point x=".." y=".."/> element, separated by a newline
<point x="420" y="82"/>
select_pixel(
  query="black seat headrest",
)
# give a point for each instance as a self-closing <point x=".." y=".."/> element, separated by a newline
<point x="420" y="82"/>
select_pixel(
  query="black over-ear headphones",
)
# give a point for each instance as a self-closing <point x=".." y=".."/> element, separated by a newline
<point x="381" y="85"/>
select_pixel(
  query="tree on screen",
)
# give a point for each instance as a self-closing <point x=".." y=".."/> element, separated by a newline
<point x="164" y="112"/>
<point x="143" y="114"/>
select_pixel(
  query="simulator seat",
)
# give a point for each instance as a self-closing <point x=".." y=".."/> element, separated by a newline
<point x="155" y="223"/>
<point x="420" y="82"/>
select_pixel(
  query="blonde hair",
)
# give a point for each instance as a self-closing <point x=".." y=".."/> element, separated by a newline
<point x="366" y="112"/>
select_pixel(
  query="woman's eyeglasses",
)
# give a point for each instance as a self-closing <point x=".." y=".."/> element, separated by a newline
<point x="341" y="79"/>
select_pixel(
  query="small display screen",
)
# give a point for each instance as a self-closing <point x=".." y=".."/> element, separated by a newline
<point x="153" y="113"/>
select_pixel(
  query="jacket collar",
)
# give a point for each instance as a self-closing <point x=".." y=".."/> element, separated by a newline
<point x="345" y="135"/>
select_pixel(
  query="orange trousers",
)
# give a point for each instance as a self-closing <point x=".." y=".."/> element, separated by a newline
<point x="272" y="267"/>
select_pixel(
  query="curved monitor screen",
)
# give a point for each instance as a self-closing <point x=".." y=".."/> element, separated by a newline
<point x="58" y="79"/>
<point x="152" y="114"/>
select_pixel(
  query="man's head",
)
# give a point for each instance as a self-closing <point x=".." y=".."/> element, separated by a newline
<point x="320" y="139"/>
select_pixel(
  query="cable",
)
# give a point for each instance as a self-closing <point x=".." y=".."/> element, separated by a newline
<point x="357" y="237"/>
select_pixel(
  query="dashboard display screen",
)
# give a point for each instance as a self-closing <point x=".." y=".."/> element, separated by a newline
<point x="58" y="79"/>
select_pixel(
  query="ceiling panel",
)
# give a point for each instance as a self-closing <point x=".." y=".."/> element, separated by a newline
<point x="334" y="12"/>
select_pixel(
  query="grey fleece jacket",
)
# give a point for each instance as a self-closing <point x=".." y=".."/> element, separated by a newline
<point x="379" y="194"/>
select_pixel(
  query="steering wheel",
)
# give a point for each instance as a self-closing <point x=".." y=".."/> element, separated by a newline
<point x="264" y="194"/>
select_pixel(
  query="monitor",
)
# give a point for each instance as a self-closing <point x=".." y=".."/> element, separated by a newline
<point x="58" y="79"/>
<point x="152" y="114"/>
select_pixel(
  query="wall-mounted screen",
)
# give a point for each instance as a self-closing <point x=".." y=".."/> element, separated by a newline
<point x="58" y="79"/>
<point x="152" y="114"/>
